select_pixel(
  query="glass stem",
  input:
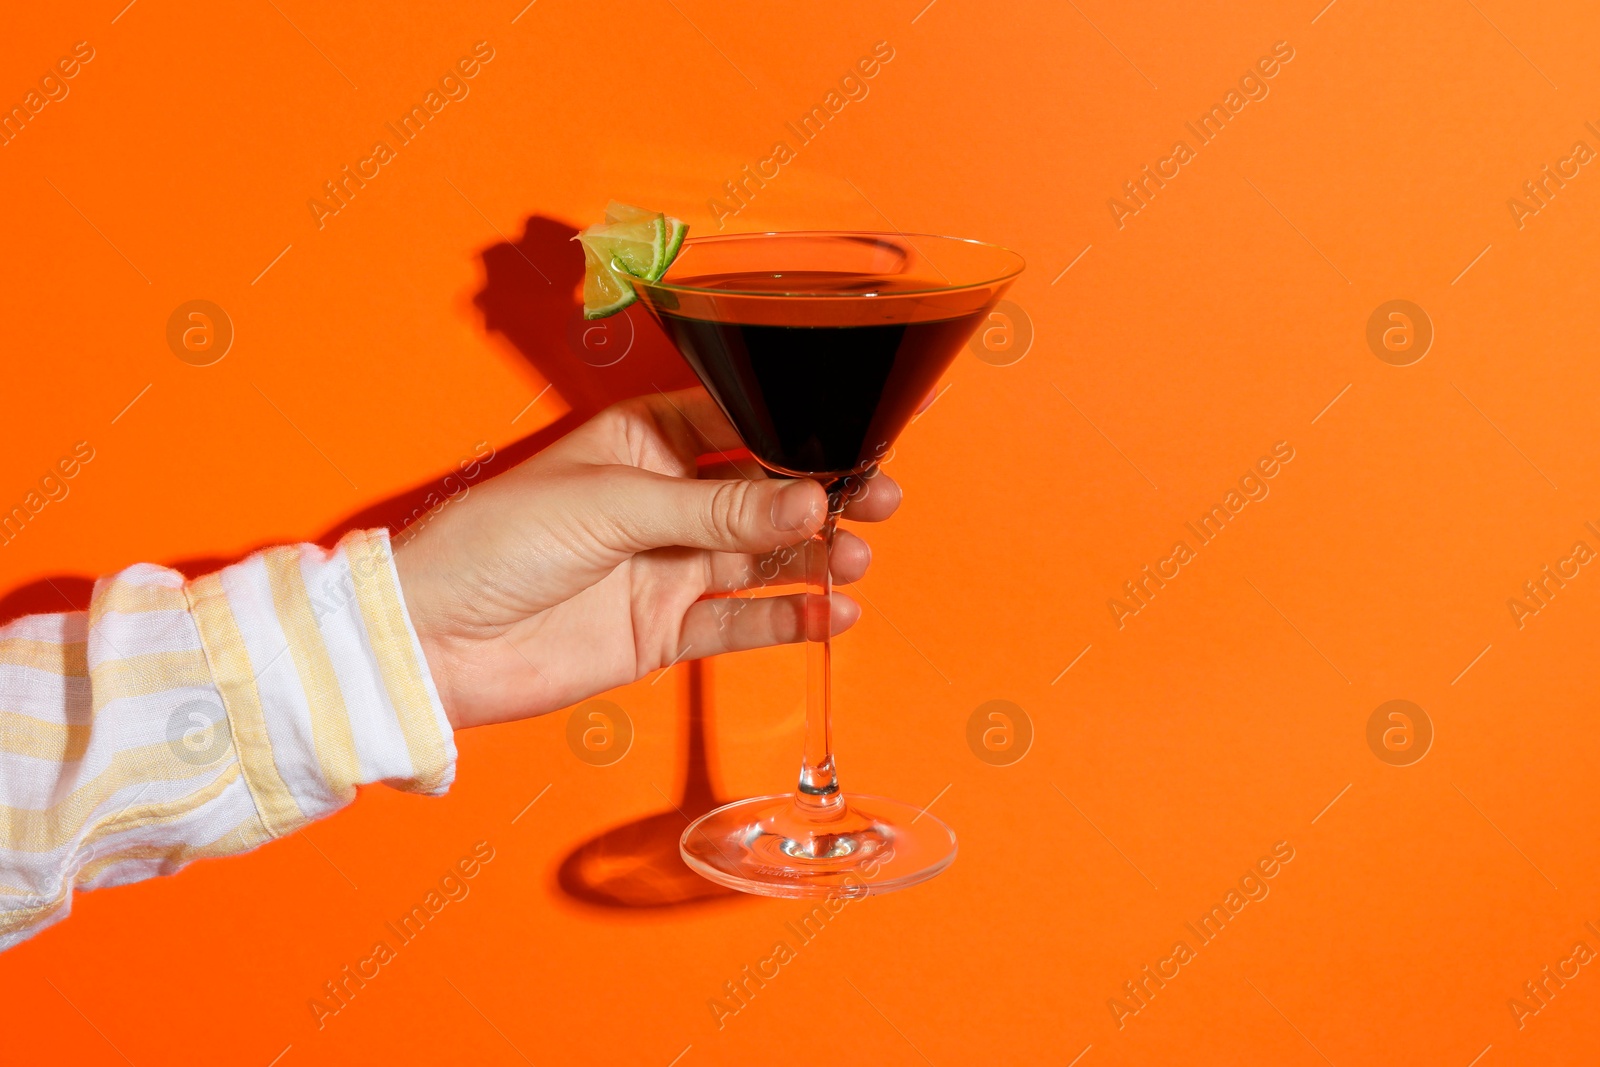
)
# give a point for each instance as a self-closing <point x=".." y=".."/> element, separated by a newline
<point x="818" y="795"/>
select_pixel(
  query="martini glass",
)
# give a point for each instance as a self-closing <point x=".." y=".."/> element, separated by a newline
<point x="819" y="347"/>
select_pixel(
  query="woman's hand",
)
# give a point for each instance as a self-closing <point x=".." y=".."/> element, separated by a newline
<point x="585" y="567"/>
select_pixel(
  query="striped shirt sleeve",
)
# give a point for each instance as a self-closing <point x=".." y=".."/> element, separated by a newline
<point x="178" y="720"/>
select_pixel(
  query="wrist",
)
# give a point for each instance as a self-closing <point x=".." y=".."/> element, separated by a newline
<point x="416" y="590"/>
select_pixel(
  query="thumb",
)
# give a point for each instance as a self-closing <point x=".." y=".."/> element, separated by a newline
<point x="648" y="510"/>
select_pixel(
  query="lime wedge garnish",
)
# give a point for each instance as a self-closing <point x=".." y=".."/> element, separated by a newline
<point x="635" y="247"/>
<point x="605" y="291"/>
<point x="676" y="228"/>
<point x="632" y="241"/>
<point x="617" y="211"/>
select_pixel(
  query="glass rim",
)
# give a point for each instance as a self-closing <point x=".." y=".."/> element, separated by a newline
<point x="1017" y="268"/>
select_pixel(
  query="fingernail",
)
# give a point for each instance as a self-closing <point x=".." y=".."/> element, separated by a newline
<point x="795" y="505"/>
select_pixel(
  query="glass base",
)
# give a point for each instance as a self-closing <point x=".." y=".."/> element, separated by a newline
<point x="773" y="847"/>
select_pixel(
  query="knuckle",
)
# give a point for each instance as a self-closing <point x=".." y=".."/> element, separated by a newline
<point x="729" y="510"/>
<point x="614" y="419"/>
<point x="625" y="424"/>
<point x="634" y="407"/>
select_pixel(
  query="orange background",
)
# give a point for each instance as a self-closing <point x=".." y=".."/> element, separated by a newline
<point x="1222" y="318"/>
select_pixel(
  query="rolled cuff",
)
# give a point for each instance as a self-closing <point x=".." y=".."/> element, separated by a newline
<point x="323" y="677"/>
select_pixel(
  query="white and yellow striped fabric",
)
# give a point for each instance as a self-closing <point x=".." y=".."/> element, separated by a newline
<point x="178" y="720"/>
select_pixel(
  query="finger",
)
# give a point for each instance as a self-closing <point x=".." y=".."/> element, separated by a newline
<point x="927" y="402"/>
<point x="734" y="624"/>
<point x="872" y="497"/>
<point x="850" y="558"/>
<point x="732" y="572"/>
<point x="634" y="510"/>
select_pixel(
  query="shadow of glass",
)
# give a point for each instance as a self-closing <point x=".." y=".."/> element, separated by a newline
<point x="637" y="864"/>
